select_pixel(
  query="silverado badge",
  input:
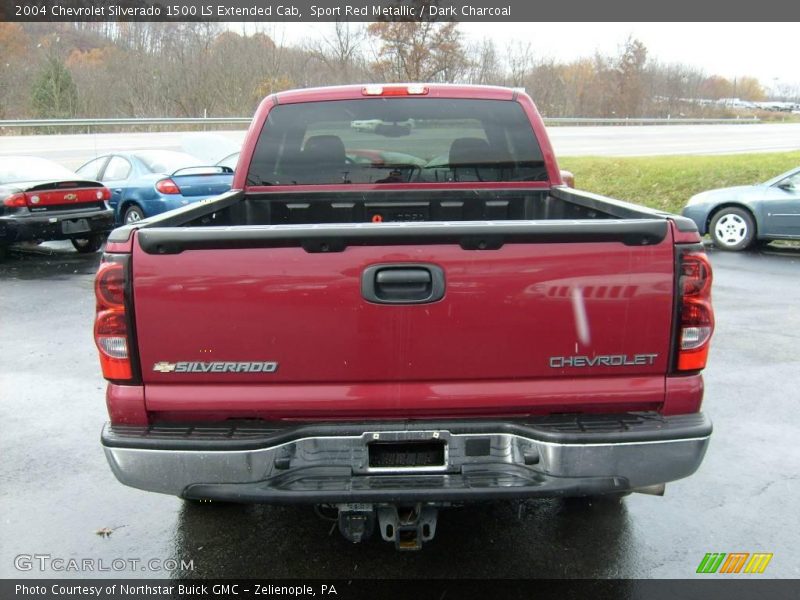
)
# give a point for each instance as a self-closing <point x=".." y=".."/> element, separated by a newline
<point x="215" y="367"/>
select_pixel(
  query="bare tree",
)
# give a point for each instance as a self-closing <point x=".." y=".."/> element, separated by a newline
<point x="519" y="58"/>
<point x="484" y="66"/>
<point x="341" y="52"/>
<point x="15" y="68"/>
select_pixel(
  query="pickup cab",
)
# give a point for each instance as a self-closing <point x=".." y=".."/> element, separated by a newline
<point x="388" y="321"/>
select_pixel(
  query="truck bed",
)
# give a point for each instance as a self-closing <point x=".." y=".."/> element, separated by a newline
<point x="308" y="206"/>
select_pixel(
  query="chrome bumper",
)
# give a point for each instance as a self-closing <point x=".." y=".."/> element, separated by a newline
<point x="482" y="461"/>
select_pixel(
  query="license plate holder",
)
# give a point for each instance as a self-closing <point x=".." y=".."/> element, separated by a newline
<point x="407" y="454"/>
<point x="75" y="226"/>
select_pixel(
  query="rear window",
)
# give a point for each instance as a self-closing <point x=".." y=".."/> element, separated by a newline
<point x="396" y="140"/>
<point x="28" y="168"/>
<point x="166" y="161"/>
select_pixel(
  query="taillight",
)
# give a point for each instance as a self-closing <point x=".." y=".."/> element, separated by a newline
<point x="111" y="332"/>
<point x="103" y="194"/>
<point x="16" y="201"/>
<point x="167" y="186"/>
<point x="695" y="313"/>
<point x="109" y="285"/>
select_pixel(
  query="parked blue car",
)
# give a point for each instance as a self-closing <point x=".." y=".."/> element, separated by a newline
<point x="739" y="217"/>
<point x="148" y="182"/>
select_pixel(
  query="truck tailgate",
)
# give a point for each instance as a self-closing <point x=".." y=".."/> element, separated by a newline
<point x="521" y="328"/>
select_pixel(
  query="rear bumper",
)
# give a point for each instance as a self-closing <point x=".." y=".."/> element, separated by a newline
<point x="51" y="226"/>
<point x="328" y="463"/>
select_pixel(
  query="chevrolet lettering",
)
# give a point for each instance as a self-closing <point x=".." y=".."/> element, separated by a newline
<point x="609" y="360"/>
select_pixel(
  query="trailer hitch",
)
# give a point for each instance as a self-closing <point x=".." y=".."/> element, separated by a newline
<point x="407" y="526"/>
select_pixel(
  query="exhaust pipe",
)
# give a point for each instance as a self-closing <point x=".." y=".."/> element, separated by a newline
<point x="653" y="490"/>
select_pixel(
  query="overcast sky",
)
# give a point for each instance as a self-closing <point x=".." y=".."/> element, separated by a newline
<point x="768" y="51"/>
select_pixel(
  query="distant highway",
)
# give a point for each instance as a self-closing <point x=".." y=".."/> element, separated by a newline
<point x="654" y="140"/>
<point x="73" y="150"/>
<point x="649" y="140"/>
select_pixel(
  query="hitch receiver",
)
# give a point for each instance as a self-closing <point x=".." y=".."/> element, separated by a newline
<point x="407" y="526"/>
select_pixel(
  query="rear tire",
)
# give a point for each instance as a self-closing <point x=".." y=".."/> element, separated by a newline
<point x="732" y="229"/>
<point x="88" y="245"/>
<point x="132" y="214"/>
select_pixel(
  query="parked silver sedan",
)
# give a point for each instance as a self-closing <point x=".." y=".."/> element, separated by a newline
<point x="736" y="218"/>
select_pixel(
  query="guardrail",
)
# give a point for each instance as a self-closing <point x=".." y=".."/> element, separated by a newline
<point x="205" y="121"/>
<point x="126" y="122"/>
<point x="645" y="121"/>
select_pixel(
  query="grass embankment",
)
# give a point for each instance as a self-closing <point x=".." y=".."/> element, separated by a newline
<point x="667" y="182"/>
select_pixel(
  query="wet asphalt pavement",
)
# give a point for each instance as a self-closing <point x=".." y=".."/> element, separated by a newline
<point x="57" y="491"/>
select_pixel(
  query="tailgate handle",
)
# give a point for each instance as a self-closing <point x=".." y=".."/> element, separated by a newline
<point x="402" y="284"/>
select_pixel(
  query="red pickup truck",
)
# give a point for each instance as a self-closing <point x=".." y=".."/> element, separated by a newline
<point x="391" y="318"/>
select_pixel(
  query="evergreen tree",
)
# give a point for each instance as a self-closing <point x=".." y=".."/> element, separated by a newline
<point x="54" y="94"/>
